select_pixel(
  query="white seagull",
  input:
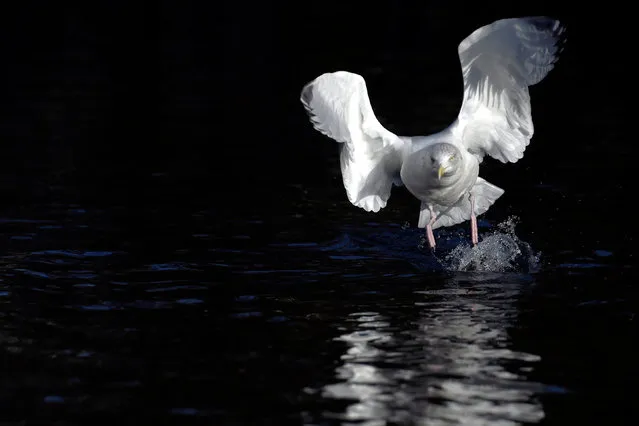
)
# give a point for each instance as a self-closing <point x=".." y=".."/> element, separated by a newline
<point x="499" y="61"/>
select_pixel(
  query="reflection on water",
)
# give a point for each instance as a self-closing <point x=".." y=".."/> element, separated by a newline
<point x="179" y="314"/>
<point x="450" y="365"/>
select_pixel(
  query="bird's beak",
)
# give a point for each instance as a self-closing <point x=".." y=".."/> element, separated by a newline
<point x="440" y="172"/>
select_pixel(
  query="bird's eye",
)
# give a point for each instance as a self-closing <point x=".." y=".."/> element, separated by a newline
<point x="452" y="157"/>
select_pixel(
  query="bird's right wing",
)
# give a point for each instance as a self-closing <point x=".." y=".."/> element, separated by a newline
<point x="339" y="107"/>
<point x="499" y="61"/>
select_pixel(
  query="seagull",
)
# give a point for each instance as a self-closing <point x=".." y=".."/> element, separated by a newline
<point x="499" y="61"/>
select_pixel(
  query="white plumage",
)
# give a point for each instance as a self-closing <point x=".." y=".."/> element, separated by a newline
<point x="339" y="108"/>
<point x="499" y="62"/>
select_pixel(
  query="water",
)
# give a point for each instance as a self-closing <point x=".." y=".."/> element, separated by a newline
<point x="188" y="315"/>
<point x="500" y="250"/>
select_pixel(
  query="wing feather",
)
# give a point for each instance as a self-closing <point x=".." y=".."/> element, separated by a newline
<point x="499" y="62"/>
<point x="339" y="107"/>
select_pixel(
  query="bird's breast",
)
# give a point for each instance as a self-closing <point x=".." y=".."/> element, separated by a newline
<point x="446" y="191"/>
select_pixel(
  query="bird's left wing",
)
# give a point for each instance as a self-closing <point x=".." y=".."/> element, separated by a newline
<point x="499" y="61"/>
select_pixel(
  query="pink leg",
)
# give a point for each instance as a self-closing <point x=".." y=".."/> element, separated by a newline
<point x="473" y="222"/>
<point x="429" y="229"/>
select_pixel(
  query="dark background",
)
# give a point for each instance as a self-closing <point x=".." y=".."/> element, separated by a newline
<point x="181" y="101"/>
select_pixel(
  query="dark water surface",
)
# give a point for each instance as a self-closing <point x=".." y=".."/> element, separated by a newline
<point x="194" y="315"/>
<point x="176" y="246"/>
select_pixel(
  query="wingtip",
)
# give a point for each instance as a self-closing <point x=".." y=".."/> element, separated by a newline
<point x="556" y="26"/>
<point x="561" y="38"/>
<point x="306" y="94"/>
<point x="371" y="203"/>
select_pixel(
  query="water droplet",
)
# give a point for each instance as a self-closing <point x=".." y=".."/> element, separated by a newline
<point x="498" y="251"/>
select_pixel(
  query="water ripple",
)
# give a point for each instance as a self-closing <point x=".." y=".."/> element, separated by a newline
<point x="347" y="323"/>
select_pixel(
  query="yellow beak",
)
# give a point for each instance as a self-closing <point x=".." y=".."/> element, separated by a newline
<point x="440" y="172"/>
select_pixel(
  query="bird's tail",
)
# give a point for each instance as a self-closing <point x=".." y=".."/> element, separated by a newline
<point x="485" y="194"/>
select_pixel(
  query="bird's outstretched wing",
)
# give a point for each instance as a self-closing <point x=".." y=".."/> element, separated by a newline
<point x="499" y="61"/>
<point x="339" y="107"/>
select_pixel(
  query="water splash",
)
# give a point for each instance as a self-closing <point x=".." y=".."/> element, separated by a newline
<point x="498" y="251"/>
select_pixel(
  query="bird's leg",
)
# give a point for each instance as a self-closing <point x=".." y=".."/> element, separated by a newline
<point x="429" y="228"/>
<point x="473" y="221"/>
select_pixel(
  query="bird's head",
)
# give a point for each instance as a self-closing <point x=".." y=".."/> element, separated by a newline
<point x="445" y="160"/>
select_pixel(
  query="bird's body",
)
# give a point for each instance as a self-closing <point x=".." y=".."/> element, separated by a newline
<point x="419" y="171"/>
<point x="499" y="61"/>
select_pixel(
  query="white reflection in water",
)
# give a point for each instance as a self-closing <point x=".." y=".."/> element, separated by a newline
<point x="362" y="381"/>
<point x="450" y="365"/>
<point x="473" y="383"/>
